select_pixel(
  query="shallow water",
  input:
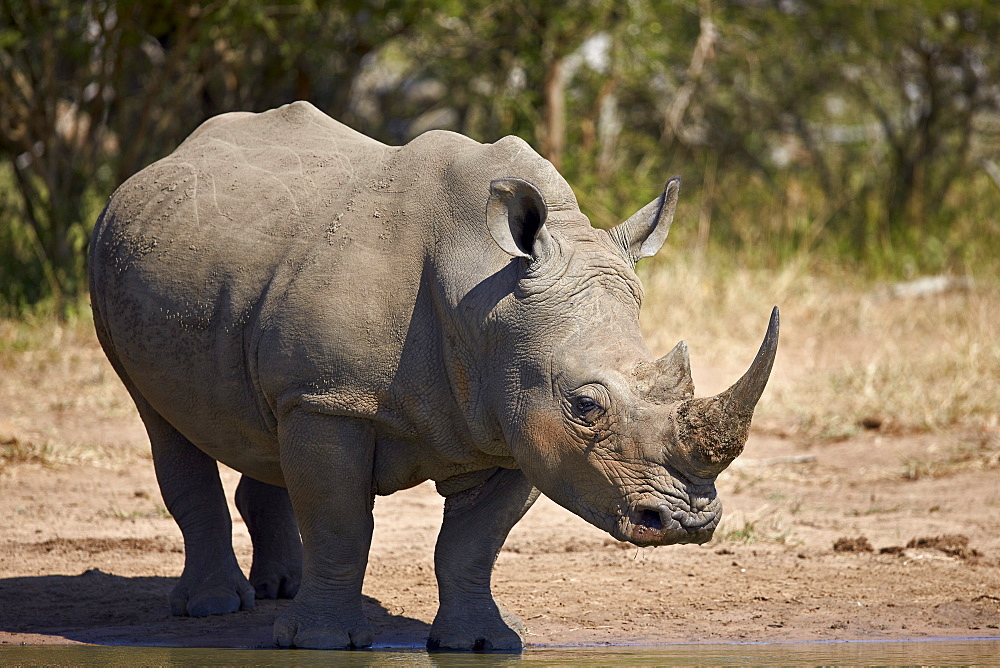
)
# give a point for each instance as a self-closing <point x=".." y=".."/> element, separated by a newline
<point x="970" y="652"/>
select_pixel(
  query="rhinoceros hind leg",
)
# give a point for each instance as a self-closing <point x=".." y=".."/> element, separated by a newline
<point x="212" y="582"/>
<point x="476" y="523"/>
<point x="277" y="548"/>
<point x="327" y="463"/>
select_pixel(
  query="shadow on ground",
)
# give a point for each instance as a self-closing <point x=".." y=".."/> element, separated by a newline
<point x="103" y="609"/>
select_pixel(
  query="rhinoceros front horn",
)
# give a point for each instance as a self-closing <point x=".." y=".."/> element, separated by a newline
<point x="744" y="395"/>
<point x="716" y="428"/>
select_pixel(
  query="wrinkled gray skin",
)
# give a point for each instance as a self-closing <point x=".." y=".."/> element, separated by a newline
<point x="343" y="319"/>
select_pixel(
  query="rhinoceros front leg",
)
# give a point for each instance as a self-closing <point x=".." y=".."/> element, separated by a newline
<point x="277" y="549"/>
<point x="327" y="464"/>
<point x="476" y="523"/>
<point x="212" y="582"/>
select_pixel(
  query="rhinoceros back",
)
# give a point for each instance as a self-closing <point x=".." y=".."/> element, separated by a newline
<point x="188" y="252"/>
<point x="283" y="252"/>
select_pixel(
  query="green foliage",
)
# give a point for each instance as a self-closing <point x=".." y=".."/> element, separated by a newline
<point x="849" y="132"/>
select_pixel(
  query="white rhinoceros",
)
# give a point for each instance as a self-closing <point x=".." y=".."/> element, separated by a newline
<point x="342" y="319"/>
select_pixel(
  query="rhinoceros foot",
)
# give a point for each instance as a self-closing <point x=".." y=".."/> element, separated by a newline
<point x="277" y="562"/>
<point x="484" y="628"/>
<point x="215" y="594"/>
<point x="306" y="627"/>
<point x="277" y="549"/>
<point x="270" y="582"/>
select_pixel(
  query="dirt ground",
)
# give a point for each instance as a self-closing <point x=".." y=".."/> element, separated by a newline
<point x="875" y="536"/>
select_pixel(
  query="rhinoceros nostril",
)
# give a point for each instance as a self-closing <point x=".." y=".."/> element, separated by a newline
<point x="659" y="518"/>
<point x="650" y="519"/>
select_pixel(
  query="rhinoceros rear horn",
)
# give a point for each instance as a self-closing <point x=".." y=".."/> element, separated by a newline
<point x="646" y="230"/>
<point x="669" y="378"/>
<point x="716" y="428"/>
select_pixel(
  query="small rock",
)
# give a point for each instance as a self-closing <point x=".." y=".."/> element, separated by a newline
<point x="871" y="422"/>
<point x="956" y="545"/>
<point x="859" y="544"/>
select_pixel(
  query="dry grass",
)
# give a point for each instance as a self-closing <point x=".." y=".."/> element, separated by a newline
<point x="15" y="451"/>
<point x="59" y="452"/>
<point x="60" y="401"/>
<point x="851" y="355"/>
<point x="760" y="525"/>
<point x="59" y="366"/>
<point x="956" y="458"/>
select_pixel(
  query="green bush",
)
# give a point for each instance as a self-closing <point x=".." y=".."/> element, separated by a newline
<point x="849" y="134"/>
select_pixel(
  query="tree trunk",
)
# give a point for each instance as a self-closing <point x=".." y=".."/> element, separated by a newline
<point x="555" y="112"/>
<point x="673" y="116"/>
<point x="609" y="127"/>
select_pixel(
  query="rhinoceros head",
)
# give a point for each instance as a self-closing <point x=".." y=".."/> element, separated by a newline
<point x="591" y="418"/>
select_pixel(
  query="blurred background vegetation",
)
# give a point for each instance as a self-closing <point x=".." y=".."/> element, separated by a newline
<point x="856" y="136"/>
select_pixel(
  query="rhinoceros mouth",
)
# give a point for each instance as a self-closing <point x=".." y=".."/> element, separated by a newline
<point x="663" y="525"/>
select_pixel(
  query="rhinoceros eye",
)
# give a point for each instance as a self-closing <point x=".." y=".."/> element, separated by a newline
<point x="587" y="407"/>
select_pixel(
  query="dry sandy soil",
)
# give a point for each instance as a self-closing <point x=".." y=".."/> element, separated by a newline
<point x="88" y="554"/>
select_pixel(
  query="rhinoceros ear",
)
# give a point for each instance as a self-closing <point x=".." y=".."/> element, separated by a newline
<point x="645" y="231"/>
<point x="516" y="215"/>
